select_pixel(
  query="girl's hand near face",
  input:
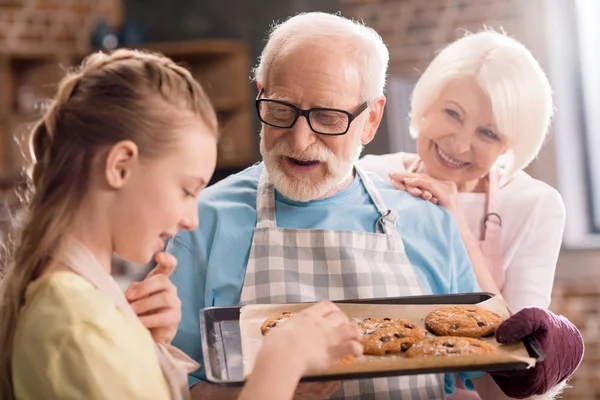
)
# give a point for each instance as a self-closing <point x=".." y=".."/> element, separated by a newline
<point x="155" y="300"/>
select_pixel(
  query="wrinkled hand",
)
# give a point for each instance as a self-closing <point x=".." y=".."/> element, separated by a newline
<point x="155" y="300"/>
<point x="321" y="336"/>
<point x="439" y="192"/>
<point x="559" y="339"/>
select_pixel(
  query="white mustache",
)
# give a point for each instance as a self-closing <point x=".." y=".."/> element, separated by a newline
<point x="315" y="152"/>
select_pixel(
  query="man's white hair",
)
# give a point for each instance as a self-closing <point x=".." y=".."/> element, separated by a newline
<point x="364" y="45"/>
<point x="509" y="75"/>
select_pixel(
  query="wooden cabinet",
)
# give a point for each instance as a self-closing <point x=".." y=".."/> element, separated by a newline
<point x="27" y="78"/>
<point x="223" y="69"/>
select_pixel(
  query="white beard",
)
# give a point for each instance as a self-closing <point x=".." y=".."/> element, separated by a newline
<point x="302" y="188"/>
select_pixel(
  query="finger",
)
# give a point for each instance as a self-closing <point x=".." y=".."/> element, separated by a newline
<point x="415" y="191"/>
<point x="426" y="195"/>
<point x="350" y="348"/>
<point x="423" y="183"/>
<point x="435" y="200"/>
<point x="157" y="302"/>
<point x="154" y="284"/>
<point x="348" y="332"/>
<point x="398" y="184"/>
<point x="161" y="319"/>
<point x="334" y="320"/>
<point x="400" y="176"/>
<point x="165" y="264"/>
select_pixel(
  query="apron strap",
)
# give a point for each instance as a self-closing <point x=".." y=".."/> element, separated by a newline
<point x="491" y="212"/>
<point x="265" y="202"/>
<point x="387" y="221"/>
<point x="491" y="243"/>
<point x="81" y="261"/>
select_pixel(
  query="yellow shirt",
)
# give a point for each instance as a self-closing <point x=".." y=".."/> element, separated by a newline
<point x="72" y="342"/>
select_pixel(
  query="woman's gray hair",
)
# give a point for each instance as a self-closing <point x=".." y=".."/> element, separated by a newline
<point x="507" y="72"/>
<point x="365" y="45"/>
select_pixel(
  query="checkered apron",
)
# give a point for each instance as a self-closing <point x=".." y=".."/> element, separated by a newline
<point x="301" y="265"/>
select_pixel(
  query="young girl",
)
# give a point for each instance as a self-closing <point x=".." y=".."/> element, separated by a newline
<point x="121" y="155"/>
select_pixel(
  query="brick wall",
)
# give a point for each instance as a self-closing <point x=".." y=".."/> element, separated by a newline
<point x="31" y="25"/>
<point x="414" y="30"/>
<point x="580" y="302"/>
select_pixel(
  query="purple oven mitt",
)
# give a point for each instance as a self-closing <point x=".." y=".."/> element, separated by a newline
<point x="558" y="338"/>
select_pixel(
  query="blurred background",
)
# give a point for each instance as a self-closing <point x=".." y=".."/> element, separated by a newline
<point x="220" y="40"/>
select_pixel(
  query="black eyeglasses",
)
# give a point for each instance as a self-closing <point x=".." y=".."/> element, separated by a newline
<point x="324" y="121"/>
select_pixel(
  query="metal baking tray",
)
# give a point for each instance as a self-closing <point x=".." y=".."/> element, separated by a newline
<point x="222" y="347"/>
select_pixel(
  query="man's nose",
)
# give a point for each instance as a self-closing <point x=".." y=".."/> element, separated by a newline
<point x="301" y="136"/>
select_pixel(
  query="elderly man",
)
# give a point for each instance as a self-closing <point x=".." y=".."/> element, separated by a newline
<point x="308" y="223"/>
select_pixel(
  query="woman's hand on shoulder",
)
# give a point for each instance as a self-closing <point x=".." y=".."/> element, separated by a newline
<point x="444" y="193"/>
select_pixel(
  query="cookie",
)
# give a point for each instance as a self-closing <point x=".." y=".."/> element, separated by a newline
<point x="274" y="322"/>
<point x="389" y="336"/>
<point x="467" y="322"/>
<point x="374" y="323"/>
<point x="443" y="346"/>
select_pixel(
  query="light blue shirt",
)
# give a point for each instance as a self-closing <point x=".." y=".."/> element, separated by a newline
<point x="212" y="259"/>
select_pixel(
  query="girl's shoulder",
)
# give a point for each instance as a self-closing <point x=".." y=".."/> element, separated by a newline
<point x="63" y="300"/>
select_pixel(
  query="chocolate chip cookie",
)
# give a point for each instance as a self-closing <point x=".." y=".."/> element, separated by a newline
<point x="458" y="321"/>
<point x="443" y="346"/>
<point x="389" y="336"/>
<point x="274" y="322"/>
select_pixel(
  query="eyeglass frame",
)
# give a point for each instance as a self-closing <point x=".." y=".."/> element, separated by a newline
<point x="306" y="114"/>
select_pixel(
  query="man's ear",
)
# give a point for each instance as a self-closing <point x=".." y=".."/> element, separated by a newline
<point x="121" y="159"/>
<point x="374" y="119"/>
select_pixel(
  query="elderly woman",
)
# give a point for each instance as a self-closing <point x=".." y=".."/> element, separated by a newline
<point x="480" y="114"/>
